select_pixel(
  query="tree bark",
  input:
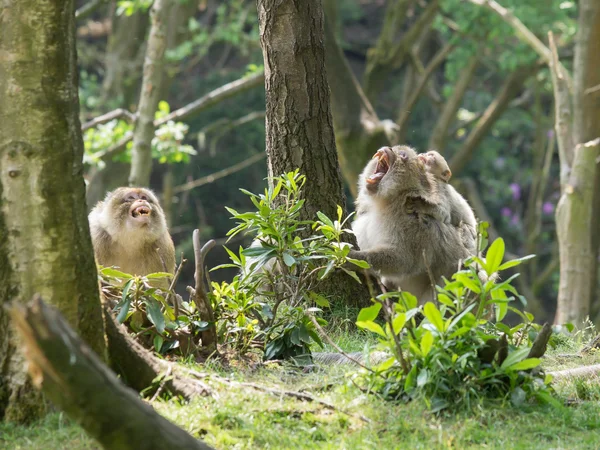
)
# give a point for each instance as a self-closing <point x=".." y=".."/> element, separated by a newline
<point x="578" y="208"/>
<point x="45" y="245"/>
<point x="77" y="381"/>
<point x="141" y="156"/>
<point x="299" y="126"/>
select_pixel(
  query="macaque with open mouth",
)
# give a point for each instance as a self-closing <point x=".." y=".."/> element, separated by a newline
<point x="396" y="226"/>
<point x="129" y="231"/>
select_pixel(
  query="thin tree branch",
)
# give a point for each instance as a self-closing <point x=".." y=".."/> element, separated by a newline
<point x="448" y="114"/>
<point x="524" y="34"/>
<point x="212" y="98"/>
<point x="492" y="113"/>
<point x="88" y="9"/>
<point x="104" y="118"/>
<point x="406" y="109"/>
<point x="220" y="174"/>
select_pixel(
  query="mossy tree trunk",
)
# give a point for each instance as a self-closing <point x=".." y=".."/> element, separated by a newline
<point x="45" y="245"/>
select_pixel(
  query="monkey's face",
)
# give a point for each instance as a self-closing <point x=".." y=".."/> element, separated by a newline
<point x="392" y="171"/>
<point x="436" y="164"/>
<point x="137" y="208"/>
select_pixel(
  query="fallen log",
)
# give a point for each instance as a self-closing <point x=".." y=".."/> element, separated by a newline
<point x="74" y="378"/>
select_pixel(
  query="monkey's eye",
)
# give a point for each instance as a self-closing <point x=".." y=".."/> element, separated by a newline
<point x="143" y="197"/>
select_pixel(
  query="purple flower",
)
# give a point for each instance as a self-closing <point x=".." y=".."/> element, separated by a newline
<point x="548" y="208"/>
<point x="506" y="212"/>
<point x="516" y="191"/>
<point x="515" y="220"/>
<point x="550" y="133"/>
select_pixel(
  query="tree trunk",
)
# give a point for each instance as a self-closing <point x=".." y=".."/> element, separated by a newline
<point x="45" y="245"/>
<point x="299" y="126"/>
<point x="141" y="153"/>
<point x="577" y="211"/>
<point x="81" y="385"/>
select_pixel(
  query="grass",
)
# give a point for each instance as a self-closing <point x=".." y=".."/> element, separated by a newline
<point x="241" y="417"/>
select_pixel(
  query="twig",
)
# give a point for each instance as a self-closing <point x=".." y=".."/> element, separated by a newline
<point x="104" y="118"/>
<point x="298" y="395"/>
<point x="220" y="174"/>
<point x="199" y="296"/>
<point x="431" y="279"/>
<point x="577" y="372"/>
<point x="335" y="346"/>
<point x="172" y="287"/>
<point x="162" y="383"/>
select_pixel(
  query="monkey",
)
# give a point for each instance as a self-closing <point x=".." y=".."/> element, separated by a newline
<point x="129" y="230"/>
<point x="437" y="165"/>
<point x="397" y="230"/>
<point x="454" y="208"/>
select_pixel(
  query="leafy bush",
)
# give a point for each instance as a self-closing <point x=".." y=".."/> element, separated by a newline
<point x="448" y="352"/>
<point x="158" y="318"/>
<point x="280" y="273"/>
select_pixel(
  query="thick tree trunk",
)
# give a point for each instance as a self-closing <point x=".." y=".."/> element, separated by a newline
<point x="298" y="120"/>
<point x="299" y="127"/>
<point x="76" y="381"/>
<point x="577" y="211"/>
<point x="45" y="245"/>
<point x="141" y="156"/>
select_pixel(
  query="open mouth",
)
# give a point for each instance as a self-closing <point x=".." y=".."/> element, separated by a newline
<point x="140" y="211"/>
<point x="382" y="168"/>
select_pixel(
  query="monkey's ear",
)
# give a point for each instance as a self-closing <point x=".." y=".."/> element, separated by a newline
<point x="446" y="174"/>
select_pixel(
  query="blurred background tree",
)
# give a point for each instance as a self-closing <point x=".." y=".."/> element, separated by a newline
<point x="444" y="74"/>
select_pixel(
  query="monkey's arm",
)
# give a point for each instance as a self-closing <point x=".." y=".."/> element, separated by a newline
<point x="388" y="260"/>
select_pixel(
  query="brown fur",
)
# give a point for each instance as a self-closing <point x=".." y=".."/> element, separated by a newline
<point x="397" y="229"/>
<point x="137" y="245"/>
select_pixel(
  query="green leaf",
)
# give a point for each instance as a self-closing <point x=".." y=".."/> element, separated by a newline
<point x="426" y="342"/>
<point x="353" y="275"/>
<point x="371" y="326"/>
<point x="319" y="300"/>
<point x="515" y="357"/>
<point x="434" y="316"/>
<point x="494" y="256"/>
<point x="158" y="342"/>
<point x="110" y="272"/>
<point x="155" y="315"/>
<point x="515" y="262"/>
<point x="468" y="282"/>
<point x="526" y="364"/>
<point x="399" y="322"/>
<point x="501" y="310"/>
<point x="369" y="313"/>
<point x="385" y="365"/>
<point x="325" y="219"/>
<point x="124" y="310"/>
<point x="152" y="276"/>
<point x="288" y="259"/>
<point x="359" y="262"/>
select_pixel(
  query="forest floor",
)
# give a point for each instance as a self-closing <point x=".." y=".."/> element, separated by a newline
<point x="242" y="417"/>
